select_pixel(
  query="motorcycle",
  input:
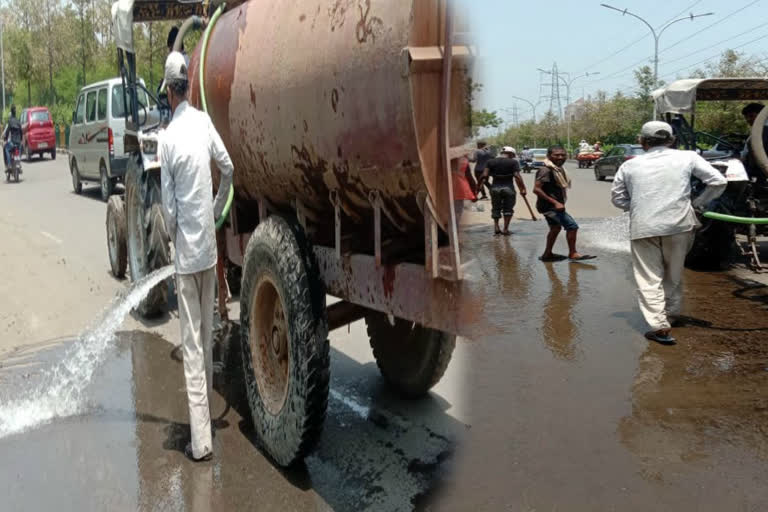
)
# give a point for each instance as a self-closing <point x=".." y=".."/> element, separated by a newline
<point x="14" y="169"/>
<point x="528" y="165"/>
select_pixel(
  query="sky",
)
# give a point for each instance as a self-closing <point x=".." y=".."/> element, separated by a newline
<point x="514" y="38"/>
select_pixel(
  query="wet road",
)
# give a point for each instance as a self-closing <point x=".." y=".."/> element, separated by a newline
<point x="123" y="451"/>
<point x="572" y="409"/>
<point x="558" y="404"/>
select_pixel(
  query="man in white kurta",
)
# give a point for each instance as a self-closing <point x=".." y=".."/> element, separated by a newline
<point x="656" y="190"/>
<point x="186" y="149"/>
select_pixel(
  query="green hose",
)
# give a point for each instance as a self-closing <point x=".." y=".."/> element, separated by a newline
<point x="734" y="219"/>
<point x="203" y="50"/>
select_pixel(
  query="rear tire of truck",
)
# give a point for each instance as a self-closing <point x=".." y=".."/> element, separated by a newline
<point x="147" y="237"/>
<point x="284" y="340"/>
<point x="714" y="247"/>
<point x="411" y="358"/>
<point x="116" y="244"/>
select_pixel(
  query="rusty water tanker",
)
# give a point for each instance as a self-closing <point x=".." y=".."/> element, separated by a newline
<point x="321" y="101"/>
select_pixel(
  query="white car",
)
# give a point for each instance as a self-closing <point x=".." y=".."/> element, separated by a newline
<point x="96" y="152"/>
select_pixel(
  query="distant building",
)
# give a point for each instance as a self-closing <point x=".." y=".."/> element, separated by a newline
<point x="575" y="110"/>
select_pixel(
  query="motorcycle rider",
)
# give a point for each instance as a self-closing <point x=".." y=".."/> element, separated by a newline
<point x="526" y="157"/>
<point x="12" y="131"/>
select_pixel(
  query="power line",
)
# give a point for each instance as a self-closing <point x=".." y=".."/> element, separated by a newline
<point x="717" y="55"/>
<point x="750" y="4"/>
<point x="717" y="44"/>
<point x="640" y="39"/>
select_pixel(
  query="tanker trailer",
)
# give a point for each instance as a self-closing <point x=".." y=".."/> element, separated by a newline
<point x="344" y="121"/>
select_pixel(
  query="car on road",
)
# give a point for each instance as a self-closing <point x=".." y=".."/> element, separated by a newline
<point x="38" y="136"/>
<point x="610" y="163"/>
<point x="539" y="155"/>
<point x="96" y="136"/>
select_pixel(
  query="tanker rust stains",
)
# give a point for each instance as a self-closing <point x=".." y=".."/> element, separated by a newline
<point x="335" y="99"/>
<point x="302" y="18"/>
<point x="338" y="12"/>
<point x="366" y="26"/>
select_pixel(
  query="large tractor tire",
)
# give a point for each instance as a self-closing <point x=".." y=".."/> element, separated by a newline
<point x="147" y="236"/>
<point x="116" y="243"/>
<point x="411" y="358"/>
<point x="284" y="338"/>
<point x="714" y="247"/>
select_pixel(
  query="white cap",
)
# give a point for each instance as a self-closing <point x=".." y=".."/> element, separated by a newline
<point x="175" y="69"/>
<point x="656" y="130"/>
<point x="508" y="149"/>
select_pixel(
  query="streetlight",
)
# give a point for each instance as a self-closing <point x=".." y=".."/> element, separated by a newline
<point x="568" y="84"/>
<point x="533" y="107"/>
<point x="655" y="35"/>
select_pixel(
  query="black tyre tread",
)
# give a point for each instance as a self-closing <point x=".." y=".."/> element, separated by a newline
<point x="281" y="242"/>
<point x="156" y="240"/>
<point x="110" y="183"/>
<point x="116" y="214"/>
<point x="75" y="173"/>
<point x="713" y="248"/>
<point x="438" y="347"/>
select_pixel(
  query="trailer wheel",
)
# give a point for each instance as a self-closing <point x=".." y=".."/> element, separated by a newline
<point x="147" y="236"/>
<point x="411" y="358"/>
<point x="284" y="340"/>
<point x="118" y="253"/>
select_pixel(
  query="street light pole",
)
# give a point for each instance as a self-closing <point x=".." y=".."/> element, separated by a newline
<point x="533" y="108"/>
<point x="656" y="36"/>
<point x="2" y="64"/>
<point x="568" y="84"/>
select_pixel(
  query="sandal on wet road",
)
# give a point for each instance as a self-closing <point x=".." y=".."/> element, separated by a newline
<point x="661" y="337"/>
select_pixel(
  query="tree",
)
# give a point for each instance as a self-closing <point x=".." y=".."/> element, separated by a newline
<point x="484" y="119"/>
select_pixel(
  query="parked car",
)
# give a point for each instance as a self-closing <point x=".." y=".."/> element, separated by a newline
<point x="38" y="136"/>
<point x="96" y="136"/>
<point x="610" y="163"/>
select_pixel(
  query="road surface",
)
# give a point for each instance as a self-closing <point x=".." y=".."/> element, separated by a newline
<point x="558" y="403"/>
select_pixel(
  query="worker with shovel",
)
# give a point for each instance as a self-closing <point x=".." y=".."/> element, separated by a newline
<point x="186" y="149"/>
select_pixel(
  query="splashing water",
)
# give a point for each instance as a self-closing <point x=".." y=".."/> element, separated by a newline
<point x="61" y="391"/>
<point x="607" y="235"/>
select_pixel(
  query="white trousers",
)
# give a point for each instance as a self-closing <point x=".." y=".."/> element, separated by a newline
<point x="196" y="294"/>
<point x="658" y="267"/>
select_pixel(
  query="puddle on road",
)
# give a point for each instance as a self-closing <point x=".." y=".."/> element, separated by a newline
<point x="578" y="411"/>
<point x="124" y="449"/>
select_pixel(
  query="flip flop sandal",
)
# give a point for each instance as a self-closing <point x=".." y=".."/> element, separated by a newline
<point x="506" y="233"/>
<point x="554" y="257"/>
<point x="584" y="257"/>
<point x="660" y="338"/>
<point x="497" y="233"/>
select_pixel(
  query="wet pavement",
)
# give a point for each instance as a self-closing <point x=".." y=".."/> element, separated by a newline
<point x="572" y="409"/>
<point x="125" y="451"/>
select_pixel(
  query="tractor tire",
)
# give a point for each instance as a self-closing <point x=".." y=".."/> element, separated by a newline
<point x="116" y="244"/>
<point x="147" y="237"/>
<point x="714" y="247"/>
<point x="284" y="340"/>
<point x="411" y="358"/>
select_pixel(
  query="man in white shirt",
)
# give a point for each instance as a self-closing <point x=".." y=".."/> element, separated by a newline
<point x="656" y="190"/>
<point x="186" y="149"/>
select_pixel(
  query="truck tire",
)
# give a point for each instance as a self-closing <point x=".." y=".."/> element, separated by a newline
<point x="411" y="358"/>
<point x="147" y="238"/>
<point x="284" y="340"/>
<point x="116" y="245"/>
<point x="714" y="247"/>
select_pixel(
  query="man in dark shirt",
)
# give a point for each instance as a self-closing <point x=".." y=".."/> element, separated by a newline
<point x="481" y="157"/>
<point x="11" y="136"/>
<point x="551" y="187"/>
<point x="504" y="172"/>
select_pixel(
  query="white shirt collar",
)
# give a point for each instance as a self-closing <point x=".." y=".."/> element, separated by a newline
<point x="180" y="109"/>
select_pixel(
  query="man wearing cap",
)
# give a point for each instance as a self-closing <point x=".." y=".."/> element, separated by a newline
<point x="656" y="190"/>
<point x="504" y="171"/>
<point x="187" y="147"/>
